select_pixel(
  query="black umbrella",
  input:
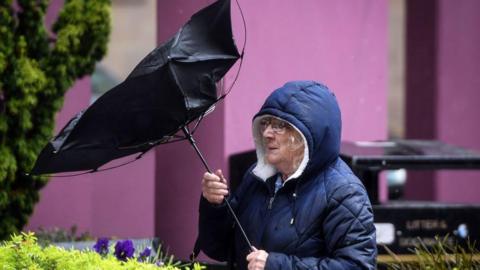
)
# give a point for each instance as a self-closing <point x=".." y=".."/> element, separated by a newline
<point x="170" y="88"/>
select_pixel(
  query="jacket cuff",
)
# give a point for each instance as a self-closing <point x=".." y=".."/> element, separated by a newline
<point x="210" y="209"/>
<point x="274" y="261"/>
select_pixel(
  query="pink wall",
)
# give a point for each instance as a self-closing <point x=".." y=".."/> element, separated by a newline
<point x="118" y="203"/>
<point x="179" y="170"/>
<point x="442" y="91"/>
<point x="341" y="44"/>
<point x="66" y="201"/>
<point x="458" y="93"/>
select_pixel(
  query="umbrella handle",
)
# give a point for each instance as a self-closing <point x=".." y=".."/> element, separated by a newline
<point x="230" y="209"/>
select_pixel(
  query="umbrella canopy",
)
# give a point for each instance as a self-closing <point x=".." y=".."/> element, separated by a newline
<point x="172" y="86"/>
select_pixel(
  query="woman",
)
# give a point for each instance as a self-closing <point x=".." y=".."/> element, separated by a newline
<point x="300" y="204"/>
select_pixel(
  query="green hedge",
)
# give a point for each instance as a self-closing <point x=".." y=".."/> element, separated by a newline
<point x="23" y="252"/>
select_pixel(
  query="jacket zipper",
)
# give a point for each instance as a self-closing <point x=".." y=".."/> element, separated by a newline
<point x="270" y="203"/>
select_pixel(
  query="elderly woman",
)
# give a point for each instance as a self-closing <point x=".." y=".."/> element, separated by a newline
<point x="300" y="204"/>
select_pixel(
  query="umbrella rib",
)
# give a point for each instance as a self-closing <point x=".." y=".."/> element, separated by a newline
<point x="234" y="80"/>
<point x="67" y="175"/>
<point x="123" y="164"/>
<point x="197" y="123"/>
<point x="241" y="54"/>
<point x="177" y="81"/>
<point x="244" y="27"/>
<point x="193" y="59"/>
<point x="100" y="170"/>
<point x="164" y="140"/>
<point x="177" y="140"/>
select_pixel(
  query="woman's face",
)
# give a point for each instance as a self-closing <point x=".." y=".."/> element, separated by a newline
<point x="283" y="149"/>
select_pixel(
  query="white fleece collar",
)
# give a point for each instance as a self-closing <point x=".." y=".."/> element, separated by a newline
<point x="264" y="170"/>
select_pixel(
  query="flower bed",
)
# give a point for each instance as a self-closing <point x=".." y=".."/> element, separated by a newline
<point x="23" y="252"/>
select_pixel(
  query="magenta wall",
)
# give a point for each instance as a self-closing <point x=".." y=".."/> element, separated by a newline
<point x="66" y="202"/>
<point x="341" y="44"/>
<point x="179" y="171"/>
<point x="458" y="93"/>
<point x="117" y="203"/>
<point x="443" y="101"/>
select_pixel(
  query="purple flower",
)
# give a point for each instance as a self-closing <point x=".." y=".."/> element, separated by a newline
<point x="101" y="247"/>
<point x="144" y="254"/>
<point x="124" y="250"/>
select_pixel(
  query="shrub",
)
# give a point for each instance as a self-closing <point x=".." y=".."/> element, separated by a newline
<point x="23" y="252"/>
<point x="37" y="67"/>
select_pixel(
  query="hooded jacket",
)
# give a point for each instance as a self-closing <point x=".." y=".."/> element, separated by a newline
<point x="320" y="218"/>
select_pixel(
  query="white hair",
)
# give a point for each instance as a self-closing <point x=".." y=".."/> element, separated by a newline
<point x="263" y="169"/>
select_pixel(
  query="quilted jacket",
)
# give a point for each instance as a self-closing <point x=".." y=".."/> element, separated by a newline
<point x="320" y="218"/>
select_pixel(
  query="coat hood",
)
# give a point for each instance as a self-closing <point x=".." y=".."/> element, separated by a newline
<point x="312" y="109"/>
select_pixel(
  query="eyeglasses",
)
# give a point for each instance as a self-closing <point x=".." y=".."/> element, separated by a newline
<point x="278" y="126"/>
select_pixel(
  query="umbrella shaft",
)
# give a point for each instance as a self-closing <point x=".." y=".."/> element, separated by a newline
<point x="238" y="223"/>
<point x="193" y="143"/>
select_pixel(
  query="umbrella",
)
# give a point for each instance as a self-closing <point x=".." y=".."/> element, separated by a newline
<point x="173" y="86"/>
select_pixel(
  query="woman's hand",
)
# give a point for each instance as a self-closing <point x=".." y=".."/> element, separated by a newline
<point x="214" y="187"/>
<point x="257" y="259"/>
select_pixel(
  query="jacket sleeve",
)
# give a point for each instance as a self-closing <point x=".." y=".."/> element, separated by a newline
<point x="215" y="230"/>
<point x="349" y="234"/>
<point x="216" y="224"/>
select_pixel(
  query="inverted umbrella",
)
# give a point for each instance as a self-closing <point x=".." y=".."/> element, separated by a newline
<point x="173" y="86"/>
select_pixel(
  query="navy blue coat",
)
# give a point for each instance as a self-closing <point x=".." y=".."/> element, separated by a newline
<point x="319" y="219"/>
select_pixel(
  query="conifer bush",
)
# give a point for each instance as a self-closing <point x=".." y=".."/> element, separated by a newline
<point x="37" y="66"/>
